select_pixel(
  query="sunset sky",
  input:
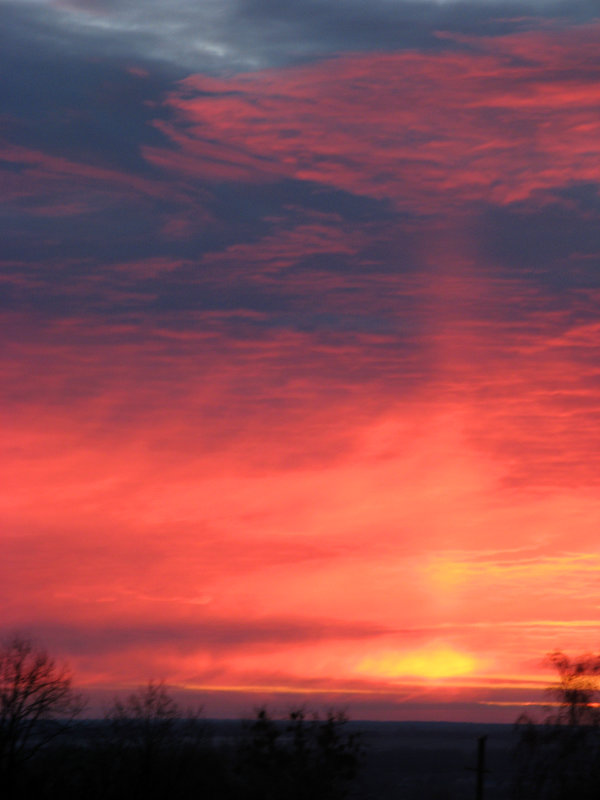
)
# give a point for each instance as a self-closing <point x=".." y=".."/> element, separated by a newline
<point x="300" y="312"/>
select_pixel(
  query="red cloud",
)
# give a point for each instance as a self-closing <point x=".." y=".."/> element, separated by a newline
<point x="498" y="120"/>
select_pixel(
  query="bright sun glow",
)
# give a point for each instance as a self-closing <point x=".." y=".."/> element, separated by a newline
<point x="434" y="664"/>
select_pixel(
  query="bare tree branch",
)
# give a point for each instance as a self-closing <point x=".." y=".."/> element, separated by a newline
<point x="37" y="702"/>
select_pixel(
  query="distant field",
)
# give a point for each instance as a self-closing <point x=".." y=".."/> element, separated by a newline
<point x="432" y="761"/>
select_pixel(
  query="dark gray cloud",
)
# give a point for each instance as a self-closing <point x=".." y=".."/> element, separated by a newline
<point x="237" y="35"/>
<point x="210" y="634"/>
<point x="555" y="243"/>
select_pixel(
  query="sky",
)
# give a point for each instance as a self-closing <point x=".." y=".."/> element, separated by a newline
<point x="300" y="311"/>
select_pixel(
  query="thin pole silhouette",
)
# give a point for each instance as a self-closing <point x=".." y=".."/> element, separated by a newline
<point x="480" y="766"/>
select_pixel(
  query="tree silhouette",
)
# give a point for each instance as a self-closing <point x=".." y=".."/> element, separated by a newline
<point x="558" y="756"/>
<point x="37" y="703"/>
<point x="576" y="691"/>
<point x="145" y="719"/>
<point x="152" y="743"/>
<point x="302" y="758"/>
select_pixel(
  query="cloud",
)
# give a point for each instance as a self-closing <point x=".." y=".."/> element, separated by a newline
<point x="202" y="634"/>
<point x="436" y="130"/>
<point x="229" y="36"/>
<point x="303" y="360"/>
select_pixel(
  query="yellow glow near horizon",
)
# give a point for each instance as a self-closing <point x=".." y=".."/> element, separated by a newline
<point x="429" y="663"/>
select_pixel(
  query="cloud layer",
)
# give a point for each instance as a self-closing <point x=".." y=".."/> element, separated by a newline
<point x="301" y="353"/>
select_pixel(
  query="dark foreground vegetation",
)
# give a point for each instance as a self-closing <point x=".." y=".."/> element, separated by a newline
<point x="147" y="747"/>
<point x="263" y="759"/>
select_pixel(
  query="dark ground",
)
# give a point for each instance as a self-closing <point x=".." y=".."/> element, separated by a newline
<point x="433" y="761"/>
<point x="399" y="761"/>
<point x="422" y="760"/>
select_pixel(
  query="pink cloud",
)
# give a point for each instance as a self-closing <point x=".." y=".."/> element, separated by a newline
<point x="191" y="478"/>
<point x="419" y="477"/>
<point x="453" y="127"/>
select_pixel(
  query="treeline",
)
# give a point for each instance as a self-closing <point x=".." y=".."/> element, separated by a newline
<point x="300" y="758"/>
<point x="147" y="747"/>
